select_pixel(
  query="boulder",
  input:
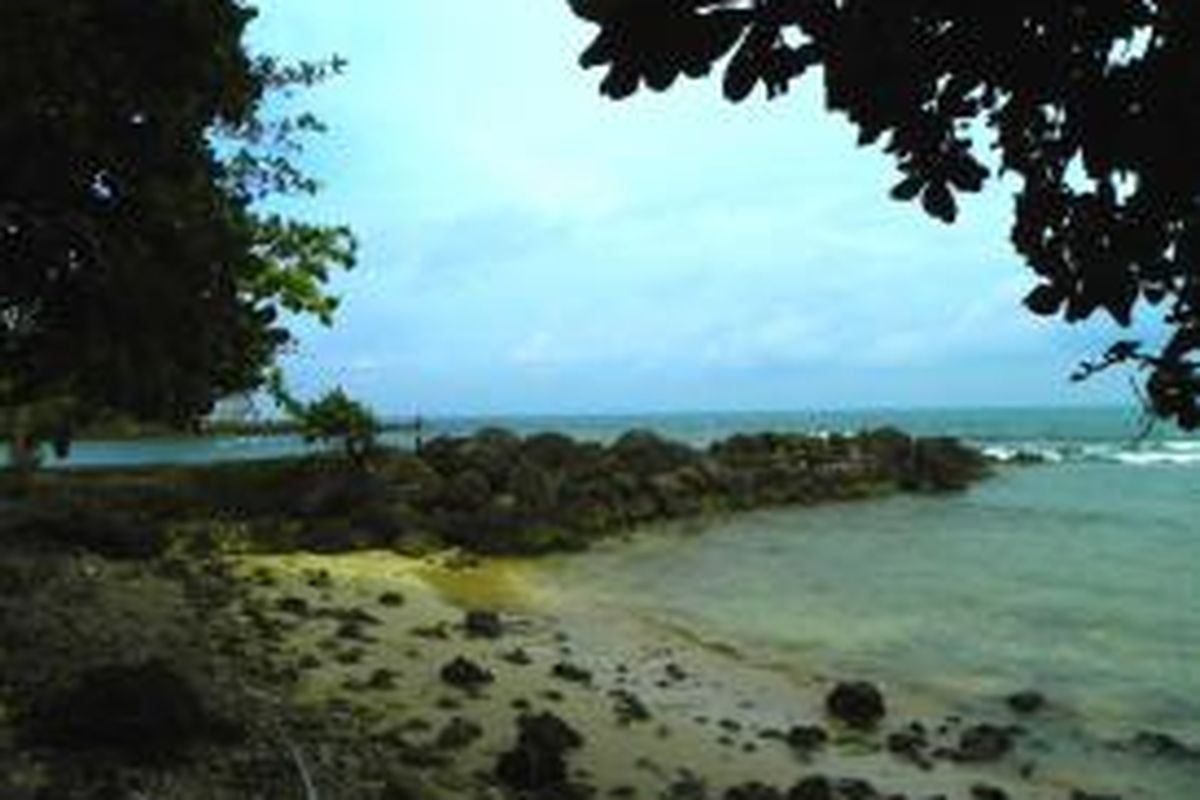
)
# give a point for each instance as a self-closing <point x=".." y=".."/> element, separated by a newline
<point x="538" y="761"/>
<point x="646" y="453"/>
<point x="753" y="790"/>
<point x="457" y="734"/>
<point x="571" y="673"/>
<point x="465" y="674"/>
<point x="804" y="739"/>
<point x="857" y="704"/>
<point x="535" y="488"/>
<point x="467" y="491"/>
<point x="1026" y="702"/>
<point x="1162" y="745"/>
<point x="813" y="787"/>
<point x="982" y="743"/>
<point x="483" y="624"/>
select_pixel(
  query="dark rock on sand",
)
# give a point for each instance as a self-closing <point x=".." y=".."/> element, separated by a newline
<point x="391" y="599"/>
<point x="464" y="673"/>
<point x="984" y="743"/>
<point x="146" y="713"/>
<point x="538" y="761"/>
<point x="804" y="739"/>
<point x="517" y="656"/>
<point x="688" y="786"/>
<point x="909" y="745"/>
<point x="1026" y="702"/>
<point x="1079" y="794"/>
<point x="753" y="790"/>
<point x="457" y="734"/>
<point x="571" y="673"/>
<point x="813" y="787"/>
<point x="296" y="606"/>
<point x="857" y="704"/>
<point x="629" y="707"/>
<point x="483" y="624"/>
<point x="982" y="791"/>
<point x="854" y="789"/>
<point x="1162" y="745"/>
<point x="382" y="679"/>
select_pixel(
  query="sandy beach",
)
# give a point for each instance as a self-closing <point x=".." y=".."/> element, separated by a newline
<point x="660" y="715"/>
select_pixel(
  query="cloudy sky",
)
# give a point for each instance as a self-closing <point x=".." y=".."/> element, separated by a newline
<point x="529" y="246"/>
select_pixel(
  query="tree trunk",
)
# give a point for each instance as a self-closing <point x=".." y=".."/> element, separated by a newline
<point x="22" y="447"/>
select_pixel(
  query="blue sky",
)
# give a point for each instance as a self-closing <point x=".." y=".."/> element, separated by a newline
<point x="528" y="246"/>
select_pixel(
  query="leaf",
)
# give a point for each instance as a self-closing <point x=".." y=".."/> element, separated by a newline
<point x="740" y="76"/>
<point x="1045" y="300"/>
<point x="939" y="202"/>
<point x="908" y="188"/>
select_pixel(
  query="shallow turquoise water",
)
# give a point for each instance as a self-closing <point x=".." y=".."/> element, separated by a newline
<point x="1082" y="580"/>
<point x="1079" y="579"/>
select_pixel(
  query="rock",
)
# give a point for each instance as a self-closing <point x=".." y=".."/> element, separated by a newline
<point x="854" y="789"/>
<point x="984" y="742"/>
<point x="982" y="791"/>
<point x="147" y="714"/>
<point x="1162" y="745"/>
<point x="629" y="707"/>
<point x="1026" y="702"/>
<point x="296" y="606"/>
<point x="534" y="488"/>
<point x="813" y="787"/>
<point x="646" y="453"/>
<point x="910" y="746"/>
<point x="483" y="624"/>
<point x="675" y="672"/>
<point x="688" y="786"/>
<point x="517" y="656"/>
<point x="381" y="678"/>
<point x="391" y="599"/>
<point x="804" y="739"/>
<point x="753" y="790"/>
<point x="465" y="674"/>
<point x="571" y="673"/>
<point x="537" y="762"/>
<point x="553" y="451"/>
<point x="457" y="734"/>
<point x="549" y="732"/>
<point x="1079" y="794"/>
<point x="857" y="704"/>
<point x="466" y="491"/>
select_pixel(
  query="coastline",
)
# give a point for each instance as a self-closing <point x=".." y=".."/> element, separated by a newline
<point x="714" y="717"/>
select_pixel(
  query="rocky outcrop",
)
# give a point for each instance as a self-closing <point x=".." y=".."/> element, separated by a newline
<point x="496" y="492"/>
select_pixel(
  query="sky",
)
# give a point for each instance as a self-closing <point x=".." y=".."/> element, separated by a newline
<point x="528" y="246"/>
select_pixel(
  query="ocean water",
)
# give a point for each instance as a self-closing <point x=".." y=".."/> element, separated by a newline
<point x="1058" y="434"/>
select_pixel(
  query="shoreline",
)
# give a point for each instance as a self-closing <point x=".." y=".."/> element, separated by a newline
<point x="713" y="716"/>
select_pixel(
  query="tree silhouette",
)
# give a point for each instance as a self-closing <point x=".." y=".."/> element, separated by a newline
<point x="137" y="273"/>
<point x="1094" y="105"/>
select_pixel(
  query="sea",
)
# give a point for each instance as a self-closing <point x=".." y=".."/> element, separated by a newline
<point x="1077" y="576"/>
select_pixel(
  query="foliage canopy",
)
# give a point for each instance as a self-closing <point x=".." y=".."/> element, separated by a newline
<point x="1094" y="105"/>
<point x="138" y="272"/>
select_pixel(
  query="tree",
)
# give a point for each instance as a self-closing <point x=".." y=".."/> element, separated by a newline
<point x="1094" y="105"/>
<point x="138" y="272"/>
<point x="333" y="417"/>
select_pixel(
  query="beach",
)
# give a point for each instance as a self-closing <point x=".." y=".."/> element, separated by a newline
<point x="706" y="720"/>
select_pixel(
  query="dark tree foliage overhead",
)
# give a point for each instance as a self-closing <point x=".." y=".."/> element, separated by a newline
<point x="136" y="272"/>
<point x="1094" y="104"/>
